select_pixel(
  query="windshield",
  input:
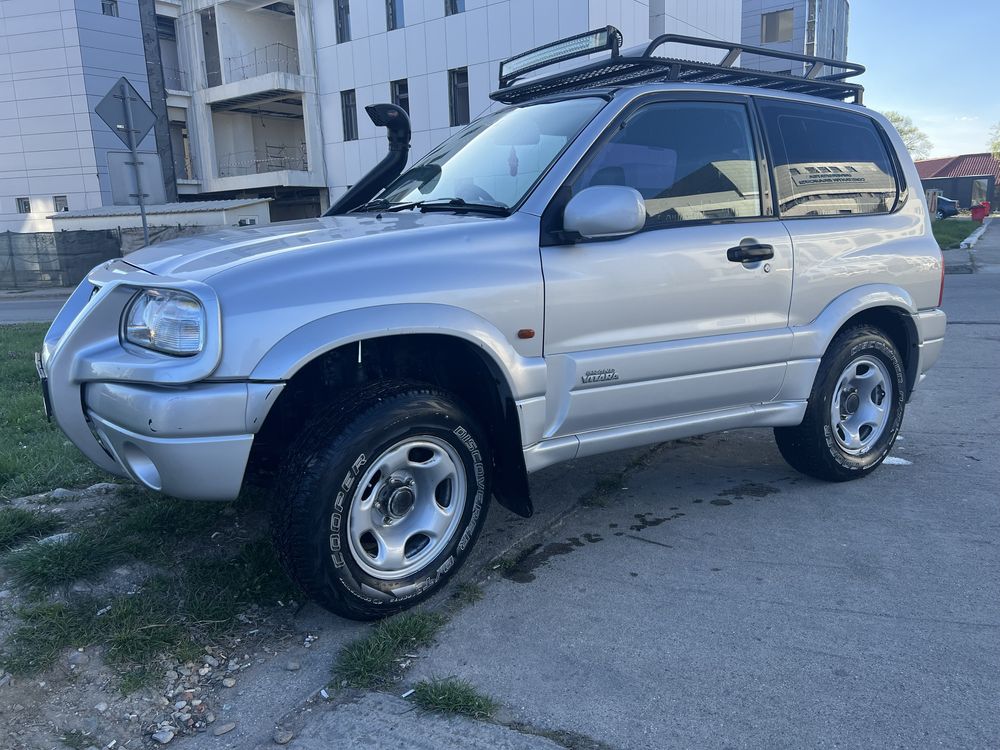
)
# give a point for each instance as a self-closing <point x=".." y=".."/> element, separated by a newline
<point x="497" y="159"/>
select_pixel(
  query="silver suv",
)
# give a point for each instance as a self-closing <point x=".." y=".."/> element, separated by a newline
<point x="633" y="252"/>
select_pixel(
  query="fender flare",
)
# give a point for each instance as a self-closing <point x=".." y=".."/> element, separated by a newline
<point x="525" y="376"/>
<point x="521" y="377"/>
<point x="813" y="339"/>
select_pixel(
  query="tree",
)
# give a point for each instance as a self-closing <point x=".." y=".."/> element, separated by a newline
<point x="915" y="139"/>
<point x="995" y="141"/>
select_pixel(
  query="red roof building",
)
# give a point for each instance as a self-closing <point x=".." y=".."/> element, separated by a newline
<point x="969" y="178"/>
<point x="967" y="165"/>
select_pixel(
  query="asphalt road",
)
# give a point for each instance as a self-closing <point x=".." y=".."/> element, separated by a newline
<point x="30" y="307"/>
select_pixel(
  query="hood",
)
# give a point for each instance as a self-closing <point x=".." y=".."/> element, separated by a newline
<point x="204" y="255"/>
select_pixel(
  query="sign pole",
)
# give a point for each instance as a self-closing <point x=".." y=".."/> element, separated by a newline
<point x="133" y="147"/>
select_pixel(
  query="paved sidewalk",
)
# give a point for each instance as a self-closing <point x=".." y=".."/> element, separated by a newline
<point x="986" y="253"/>
<point x="383" y="722"/>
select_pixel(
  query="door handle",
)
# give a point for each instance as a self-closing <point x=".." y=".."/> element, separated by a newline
<point x="750" y="253"/>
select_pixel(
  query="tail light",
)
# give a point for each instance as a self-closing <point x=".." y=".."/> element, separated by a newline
<point x="941" y="292"/>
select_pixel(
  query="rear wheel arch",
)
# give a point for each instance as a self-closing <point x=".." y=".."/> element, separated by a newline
<point x="898" y="326"/>
<point x="452" y="363"/>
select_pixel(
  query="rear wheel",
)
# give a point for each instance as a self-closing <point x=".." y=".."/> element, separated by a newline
<point x="855" y="409"/>
<point x="383" y="499"/>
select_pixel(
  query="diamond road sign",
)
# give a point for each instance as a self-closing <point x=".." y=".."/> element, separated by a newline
<point x="111" y="109"/>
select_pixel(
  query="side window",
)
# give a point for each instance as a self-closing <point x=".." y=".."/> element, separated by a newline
<point x="691" y="161"/>
<point x="828" y="162"/>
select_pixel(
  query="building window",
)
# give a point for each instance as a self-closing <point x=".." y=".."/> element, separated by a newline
<point x="349" y="115"/>
<point x="777" y="26"/>
<point x="458" y="96"/>
<point x="60" y="203"/>
<point x="451" y="7"/>
<point x="23" y="206"/>
<point x="401" y="94"/>
<point x="109" y="7"/>
<point x="393" y="14"/>
<point x="342" y="8"/>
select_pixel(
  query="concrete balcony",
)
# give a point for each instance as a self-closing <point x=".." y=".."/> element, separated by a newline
<point x="247" y="95"/>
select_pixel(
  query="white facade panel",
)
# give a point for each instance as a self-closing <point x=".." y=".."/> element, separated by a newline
<point x="431" y="44"/>
<point x="57" y="59"/>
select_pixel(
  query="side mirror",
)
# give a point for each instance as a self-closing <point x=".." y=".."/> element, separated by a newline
<point x="604" y="212"/>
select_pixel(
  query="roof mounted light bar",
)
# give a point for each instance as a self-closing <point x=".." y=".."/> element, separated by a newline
<point x="598" y="40"/>
<point x="821" y="76"/>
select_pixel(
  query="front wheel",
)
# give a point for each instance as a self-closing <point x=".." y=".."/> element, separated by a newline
<point x="384" y="497"/>
<point x="855" y="409"/>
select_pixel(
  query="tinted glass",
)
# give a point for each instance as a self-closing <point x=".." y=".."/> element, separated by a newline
<point x="458" y="96"/>
<point x="776" y="27"/>
<point x="349" y="115"/>
<point x="691" y="161"/>
<point x="828" y="162"/>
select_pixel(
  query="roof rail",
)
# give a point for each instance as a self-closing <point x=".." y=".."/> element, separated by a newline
<point x="821" y="76"/>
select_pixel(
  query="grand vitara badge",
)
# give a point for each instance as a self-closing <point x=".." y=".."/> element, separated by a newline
<point x="599" y="376"/>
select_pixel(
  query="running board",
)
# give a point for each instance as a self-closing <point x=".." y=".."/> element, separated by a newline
<point x="555" y="450"/>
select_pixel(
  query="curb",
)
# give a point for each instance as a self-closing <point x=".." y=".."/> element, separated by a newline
<point x="970" y="242"/>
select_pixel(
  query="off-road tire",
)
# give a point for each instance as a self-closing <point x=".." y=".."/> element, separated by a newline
<point x="312" y="500"/>
<point x="811" y="446"/>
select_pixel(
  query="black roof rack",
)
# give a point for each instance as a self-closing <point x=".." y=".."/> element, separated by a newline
<point x="820" y="76"/>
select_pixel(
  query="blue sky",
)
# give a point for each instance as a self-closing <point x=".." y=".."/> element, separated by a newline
<point x="923" y="58"/>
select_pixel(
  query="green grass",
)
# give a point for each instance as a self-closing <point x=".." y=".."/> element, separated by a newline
<point x="950" y="232"/>
<point x="469" y="592"/>
<point x="372" y="662"/>
<point x="169" y="616"/>
<point x="34" y="455"/>
<point x="81" y="556"/>
<point x="17" y="525"/>
<point x="77" y="740"/>
<point x="453" y="696"/>
<point x="144" y="526"/>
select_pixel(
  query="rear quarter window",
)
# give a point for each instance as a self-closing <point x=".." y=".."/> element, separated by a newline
<point x="828" y="162"/>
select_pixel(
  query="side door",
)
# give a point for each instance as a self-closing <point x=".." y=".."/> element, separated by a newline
<point x="662" y="323"/>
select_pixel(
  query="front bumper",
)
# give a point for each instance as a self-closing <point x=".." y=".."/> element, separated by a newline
<point x="143" y="415"/>
<point x="188" y="442"/>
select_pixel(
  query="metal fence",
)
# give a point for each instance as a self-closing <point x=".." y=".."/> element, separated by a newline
<point x="274" y="58"/>
<point x="272" y="158"/>
<point x="175" y="79"/>
<point x="46" y="259"/>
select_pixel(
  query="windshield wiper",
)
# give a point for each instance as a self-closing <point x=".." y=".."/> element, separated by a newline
<point x="435" y="204"/>
<point x="460" y="204"/>
<point x="381" y="204"/>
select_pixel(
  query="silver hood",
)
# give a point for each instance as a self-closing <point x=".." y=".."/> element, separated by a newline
<point x="205" y="255"/>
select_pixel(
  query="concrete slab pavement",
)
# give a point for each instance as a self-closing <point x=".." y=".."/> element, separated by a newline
<point x="378" y="720"/>
<point x="721" y="599"/>
<point x="986" y="253"/>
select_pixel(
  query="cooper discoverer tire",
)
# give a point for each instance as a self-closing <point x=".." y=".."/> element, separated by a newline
<point x="383" y="498"/>
<point x="855" y="409"/>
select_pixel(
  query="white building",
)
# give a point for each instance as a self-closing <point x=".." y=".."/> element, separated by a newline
<point x="265" y="98"/>
<point x="441" y="59"/>
<point x="57" y="60"/>
<point x="807" y="27"/>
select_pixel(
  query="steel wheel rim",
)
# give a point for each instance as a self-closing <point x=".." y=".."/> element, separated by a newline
<point x="407" y="507"/>
<point x="862" y="400"/>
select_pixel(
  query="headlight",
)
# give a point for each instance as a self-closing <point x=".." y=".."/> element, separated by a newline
<point x="167" y="321"/>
